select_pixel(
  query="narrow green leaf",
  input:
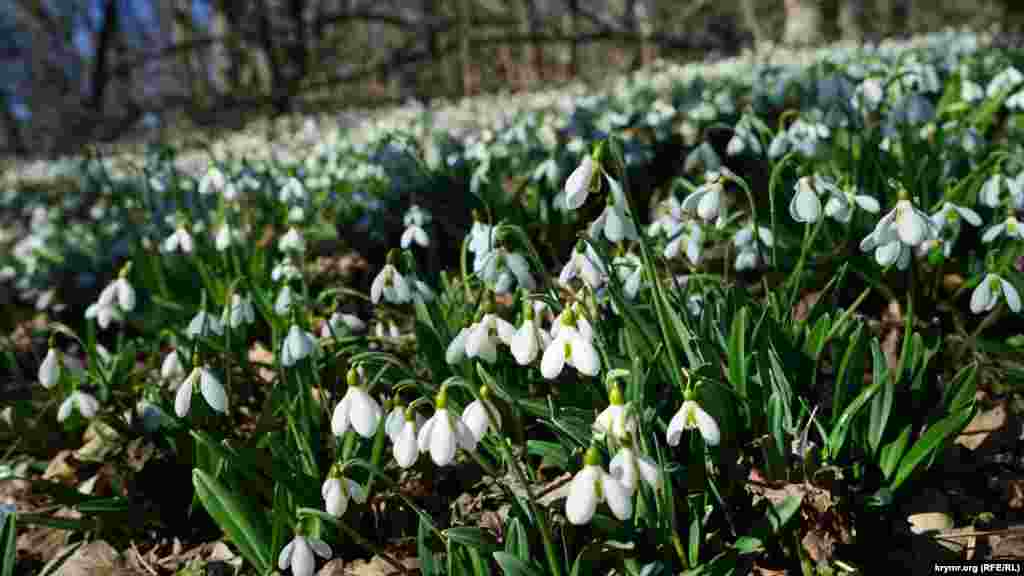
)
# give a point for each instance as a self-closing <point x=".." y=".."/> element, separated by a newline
<point x="929" y="442"/>
<point x="473" y="538"/>
<point x="426" y="554"/>
<point x="9" y="543"/>
<point x="516" y="542"/>
<point x="881" y="404"/>
<point x="838" y="436"/>
<point x="738" y="353"/>
<point x="892" y="452"/>
<point x="514" y="566"/>
<point x="245" y="527"/>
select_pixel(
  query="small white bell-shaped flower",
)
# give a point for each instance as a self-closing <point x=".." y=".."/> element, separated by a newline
<point x="805" y="206"/>
<point x="528" y="340"/>
<point x="391" y="285"/>
<point x="591" y="486"/>
<point x="179" y="240"/>
<point x="988" y="292"/>
<point x="839" y="205"/>
<point x="209" y="386"/>
<point x="912" y="225"/>
<point x="337" y="491"/>
<point x="617" y="422"/>
<point x="49" y="369"/>
<point x="284" y="300"/>
<point x="356" y="408"/>
<point x="340" y="324"/>
<point x="887" y="246"/>
<point x="750" y="250"/>
<point x="297" y="345"/>
<point x="239" y="312"/>
<point x="1011" y="228"/>
<point x="629" y="468"/>
<point x="586" y="264"/>
<point x="171" y="369"/>
<point x="104" y="311"/>
<point x="224" y="238"/>
<point x="630" y="270"/>
<point x="292" y="241"/>
<point x="947" y="221"/>
<point x="214" y="181"/>
<point x="708" y="198"/>
<point x="692" y="417"/>
<point x="403" y="428"/>
<point x="456" y="351"/>
<point x="204" y="324"/>
<point x="689" y="237"/>
<point x="443" y="433"/>
<point x="579" y="183"/>
<point x="500" y="268"/>
<point x="285" y="270"/>
<point x="615" y="221"/>
<point x="484" y="336"/>
<point x="292" y="191"/>
<point x="415" y="220"/>
<point x="298" y="555"/>
<point x="85" y="403"/>
<point x="570" y="346"/>
<point x="477" y="416"/>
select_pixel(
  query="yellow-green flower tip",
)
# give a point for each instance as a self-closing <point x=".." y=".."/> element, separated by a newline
<point x="352" y="378"/>
<point x="615" y="395"/>
<point x="592" y="457"/>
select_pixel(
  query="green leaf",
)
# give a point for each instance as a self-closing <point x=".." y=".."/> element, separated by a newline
<point x="891" y="453"/>
<point x="8" y="543"/>
<point x="930" y="441"/>
<point x="426" y="554"/>
<point x="738" y="353"/>
<point x="779" y="514"/>
<point x="514" y="566"/>
<point x="472" y="537"/>
<point x="838" y="436"/>
<point x="516" y="542"/>
<point x="552" y="453"/>
<point x="748" y="545"/>
<point x="586" y="560"/>
<point x="961" y="390"/>
<point x="247" y="529"/>
<point x="881" y="404"/>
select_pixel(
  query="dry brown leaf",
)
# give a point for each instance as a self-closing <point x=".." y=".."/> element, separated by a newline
<point x="60" y="469"/>
<point x="257" y="353"/>
<point x="983" y="426"/>
<point x="803" y="307"/>
<point x="377" y="566"/>
<point x="335" y="567"/>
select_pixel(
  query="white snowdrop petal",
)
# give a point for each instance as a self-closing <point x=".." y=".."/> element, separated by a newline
<point x="553" y="361"/>
<point x="1011" y="295"/>
<point x="442" y="439"/>
<point x="676" y="426"/>
<point x="649" y="472"/>
<point x="584" y="357"/>
<point x="87" y="404"/>
<point x="365" y="413"/>
<point x="406" y="449"/>
<point x="49" y="370"/>
<point x="617" y="496"/>
<point x="284" y="559"/>
<point x="582" y="500"/>
<point x="340" y="419"/>
<point x="303" y="562"/>
<point x="213" y="392"/>
<point x="623" y="469"/>
<point x="355" y="490"/>
<point x="321" y="548"/>
<point x="456" y="351"/>
<point x="475" y="418"/>
<point x="65" y="408"/>
<point x="423" y="438"/>
<point x="183" y="398"/>
<point x="707" y="426"/>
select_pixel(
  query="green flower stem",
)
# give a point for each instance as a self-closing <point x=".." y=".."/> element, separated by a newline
<point x="375" y="471"/>
<point x="377" y="453"/>
<point x="810" y="233"/>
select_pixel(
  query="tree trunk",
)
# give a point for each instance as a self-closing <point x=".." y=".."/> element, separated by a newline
<point x="103" y="48"/>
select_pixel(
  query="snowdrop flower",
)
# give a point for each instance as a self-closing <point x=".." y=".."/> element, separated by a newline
<point x="971" y="92"/>
<point x="501" y="268"/>
<point x="456" y="351"/>
<point x="204" y="324"/>
<point x="615" y="221"/>
<point x="292" y="242"/>
<point x="296" y="214"/>
<point x="1011" y="228"/>
<point x="415" y="219"/>
<point x="121" y="292"/>
<point x="298" y="555"/>
<point x="213" y="181"/>
<point x="285" y="270"/>
<point x="586" y="264"/>
<point x="1008" y="79"/>
<point x="341" y="324"/>
<point x="84" y="402"/>
<point x="480" y="237"/>
<point x="477" y="416"/>
<point x="629" y="468"/>
<point x="986" y="295"/>
<point x="992" y="190"/>
<point x="483" y="337"/>
<point x="887" y="247"/>
<point x="403" y="428"/>
<point x="356" y="408"/>
<point x="707" y="199"/>
<point x="840" y="203"/>
<point x="443" y="433"/>
<point x="570" y="346"/>
<point x="743" y="137"/>
<point x="590" y="487"/>
<point x="225" y="235"/>
<point x="911" y="225"/>
<point x="868" y="95"/>
<point x="179" y="240"/>
<point x="171" y="368"/>
<point x="749" y="249"/>
<point x="283" y="302"/>
<point x="292" y="191"/>
<point x="104" y="311"/>
<point x="337" y="491"/>
<point x="692" y="417"/>
<point x="703" y="158"/>
<point x="947" y="221"/>
<point x="528" y="340"/>
<point x="688" y="238"/>
<point x="805" y="206"/>
<point x="630" y="270"/>
<point x="579" y="183"/>
<point x="239" y="312"/>
<point x="617" y="422"/>
<point x="391" y="285"/>
<point x="298" y="344"/>
<point x="1016" y="102"/>
<point x="209" y="386"/>
<point x="49" y="370"/>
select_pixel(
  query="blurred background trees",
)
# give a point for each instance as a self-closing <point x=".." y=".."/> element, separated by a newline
<point x="81" y="71"/>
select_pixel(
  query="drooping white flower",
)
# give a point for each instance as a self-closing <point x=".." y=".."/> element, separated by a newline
<point x="480" y="238"/>
<point x="1011" y="228"/>
<point x="297" y="345"/>
<point x="171" y="369"/>
<point x="104" y="311"/>
<point x="415" y="220"/>
<point x="179" y="240"/>
<point x="805" y="206"/>
<point x="750" y="250"/>
<point x="239" y="312"/>
<point x="707" y="199"/>
<point x="590" y="487"/>
<point x="214" y="181"/>
<point x="292" y="241"/>
<point x="1007" y="79"/>
<point x="692" y="417"/>
<point x="341" y="324"/>
<point x="283" y="302"/>
<point x="292" y="191"/>
<point x="615" y="221"/>
<point x="840" y="203"/>
<point x="688" y="238"/>
<point x="403" y="429"/>
<point x="298" y="555"/>
<point x="121" y="292"/>
<point x="356" y="408"/>
<point x="629" y="468"/>
<point x="586" y="264"/>
<point x="443" y="433"/>
<point x="204" y="324"/>
<point x="285" y="270"/>
<point x="887" y="246"/>
<point x="501" y="269"/>
<point x="456" y="351"/>
<point x="572" y="346"/>
<point x="210" y="388"/>
<point x="578" y="185"/>
<point x="616" y="423"/>
<point x="85" y="403"/>
<point x="477" y="417"/>
<point x="49" y="369"/>
<point x="337" y="491"/>
<point x="988" y="292"/>
<point x="391" y="285"/>
<point x="484" y="336"/>
<point x="947" y="221"/>
<point x="225" y="236"/>
<point x="528" y="340"/>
